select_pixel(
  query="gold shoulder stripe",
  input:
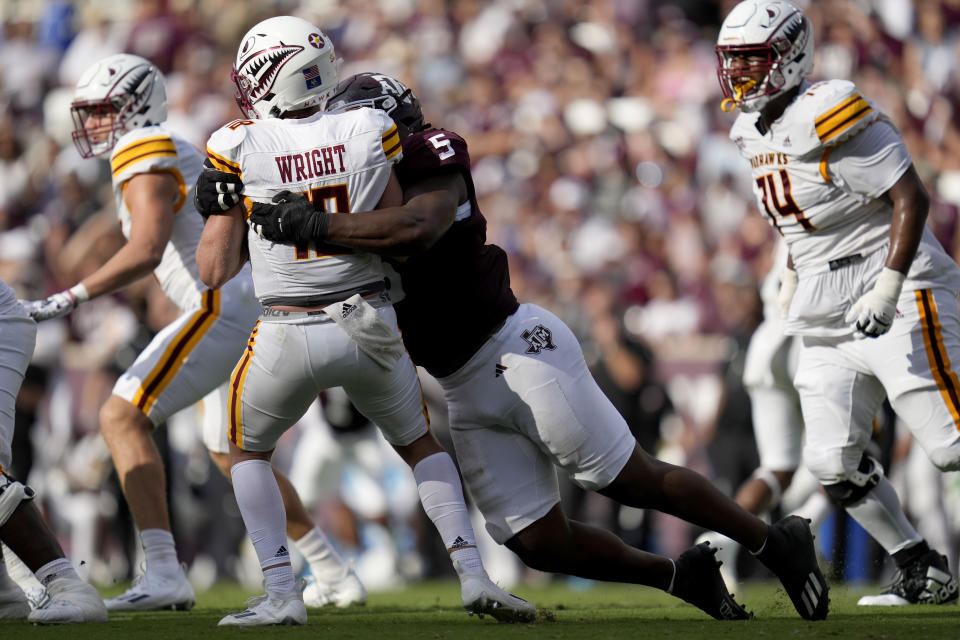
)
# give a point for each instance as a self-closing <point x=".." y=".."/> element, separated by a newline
<point x="223" y="164"/>
<point x="841" y="118"/>
<point x="154" y="153"/>
<point x="133" y="147"/>
<point x="390" y="133"/>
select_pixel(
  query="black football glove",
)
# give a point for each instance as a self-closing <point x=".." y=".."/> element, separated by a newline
<point x="217" y="191"/>
<point x="290" y="219"/>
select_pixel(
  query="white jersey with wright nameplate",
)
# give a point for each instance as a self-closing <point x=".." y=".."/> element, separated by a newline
<point x="347" y="172"/>
<point x="820" y="172"/>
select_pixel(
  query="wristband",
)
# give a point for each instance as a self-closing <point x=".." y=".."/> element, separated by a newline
<point x="889" y="283"/>
<point x="79" y="293"/>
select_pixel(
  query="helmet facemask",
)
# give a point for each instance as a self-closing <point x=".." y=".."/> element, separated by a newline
<point x="749" y="72"/>
<point x="102" y="133"/>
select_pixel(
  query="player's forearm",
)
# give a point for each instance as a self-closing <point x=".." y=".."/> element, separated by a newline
<point x="910" y="206"/>
<point x="396" y="231"/>
<point x="126" y="266"/>
<point x="221" y="252"/>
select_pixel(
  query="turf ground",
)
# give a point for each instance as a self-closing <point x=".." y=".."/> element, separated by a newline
<point x="431" y="611"/>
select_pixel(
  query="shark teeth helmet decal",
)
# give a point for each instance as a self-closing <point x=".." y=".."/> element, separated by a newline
<point x="284" y="64"/>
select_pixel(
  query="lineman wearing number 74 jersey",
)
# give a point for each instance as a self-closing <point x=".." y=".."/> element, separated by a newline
<point x="870" y="291"/>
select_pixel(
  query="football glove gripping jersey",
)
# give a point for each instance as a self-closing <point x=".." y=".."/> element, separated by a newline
<point x="217" y="191"/>
<point x="290" y="219"/>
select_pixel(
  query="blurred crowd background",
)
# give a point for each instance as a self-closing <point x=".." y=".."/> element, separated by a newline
<point x="602" y="163"/>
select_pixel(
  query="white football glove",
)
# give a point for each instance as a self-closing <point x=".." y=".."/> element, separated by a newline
<point x="57" y="305"/>
<point x="788" y="286"/>
<point x="872" y="315"/>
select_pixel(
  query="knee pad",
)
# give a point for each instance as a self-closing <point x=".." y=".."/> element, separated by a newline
<point x="857" y="484"/>
<point x="12" y="493"/>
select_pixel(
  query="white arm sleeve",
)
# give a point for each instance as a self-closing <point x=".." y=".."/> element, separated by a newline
<point x="871" y="162"/>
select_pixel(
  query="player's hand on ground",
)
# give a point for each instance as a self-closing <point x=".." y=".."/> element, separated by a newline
<point x="290" y="218"/>
<point x="872" y="315"/>
<point x="55" y="306"/>
<point x="217" y="191"/>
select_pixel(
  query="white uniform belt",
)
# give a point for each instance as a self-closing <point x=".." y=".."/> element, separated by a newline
<point x="377" y="299"/>
<point x="323" y="300"/>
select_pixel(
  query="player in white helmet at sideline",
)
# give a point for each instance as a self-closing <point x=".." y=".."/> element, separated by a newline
<point x="119" y="108"/>
<point x="328" y="318"/>
<point x="869" y="290"/>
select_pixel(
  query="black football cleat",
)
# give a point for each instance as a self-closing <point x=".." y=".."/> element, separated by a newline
<point x="698" y="581"/>
<point x="790" y="554"/>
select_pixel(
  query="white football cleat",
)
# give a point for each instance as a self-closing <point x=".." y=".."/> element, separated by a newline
<point x="482" y="597"/>
<point x="264" y="610"/>
<point x="342" y="594"/>
<point x="69" y="600"/>
<point x="151" y="592"/>
<point x="13" y="601"/>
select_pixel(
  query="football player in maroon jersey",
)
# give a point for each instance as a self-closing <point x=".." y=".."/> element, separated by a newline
<point x="521" y="400"/>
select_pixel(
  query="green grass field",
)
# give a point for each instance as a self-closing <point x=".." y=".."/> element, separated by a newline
<point x="431" y="611"/>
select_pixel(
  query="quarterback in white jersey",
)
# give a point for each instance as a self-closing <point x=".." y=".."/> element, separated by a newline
<point x="327" y="316"/>
<point x="868" y="288"/>
<point x="120" y="106"/>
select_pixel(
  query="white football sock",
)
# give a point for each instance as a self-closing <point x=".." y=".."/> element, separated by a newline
<point x="881" y="515"/>
<point x="441" y="495"/>
<point x="325" y="563"/>
<point x="56" y="570"/>
<point x="261" y="506"/>
<point x="160" y="551"/>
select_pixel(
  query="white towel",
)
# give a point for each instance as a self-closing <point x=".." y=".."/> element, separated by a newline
<point x="363" y="324"/>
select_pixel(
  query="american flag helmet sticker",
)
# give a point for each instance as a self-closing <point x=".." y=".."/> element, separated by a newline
<point x="311" y="76"/>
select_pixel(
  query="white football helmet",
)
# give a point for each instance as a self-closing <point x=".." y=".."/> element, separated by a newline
<point x="118" y="94"/>
<point x="764" y="49"/>
<point x="284" y="63"/>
